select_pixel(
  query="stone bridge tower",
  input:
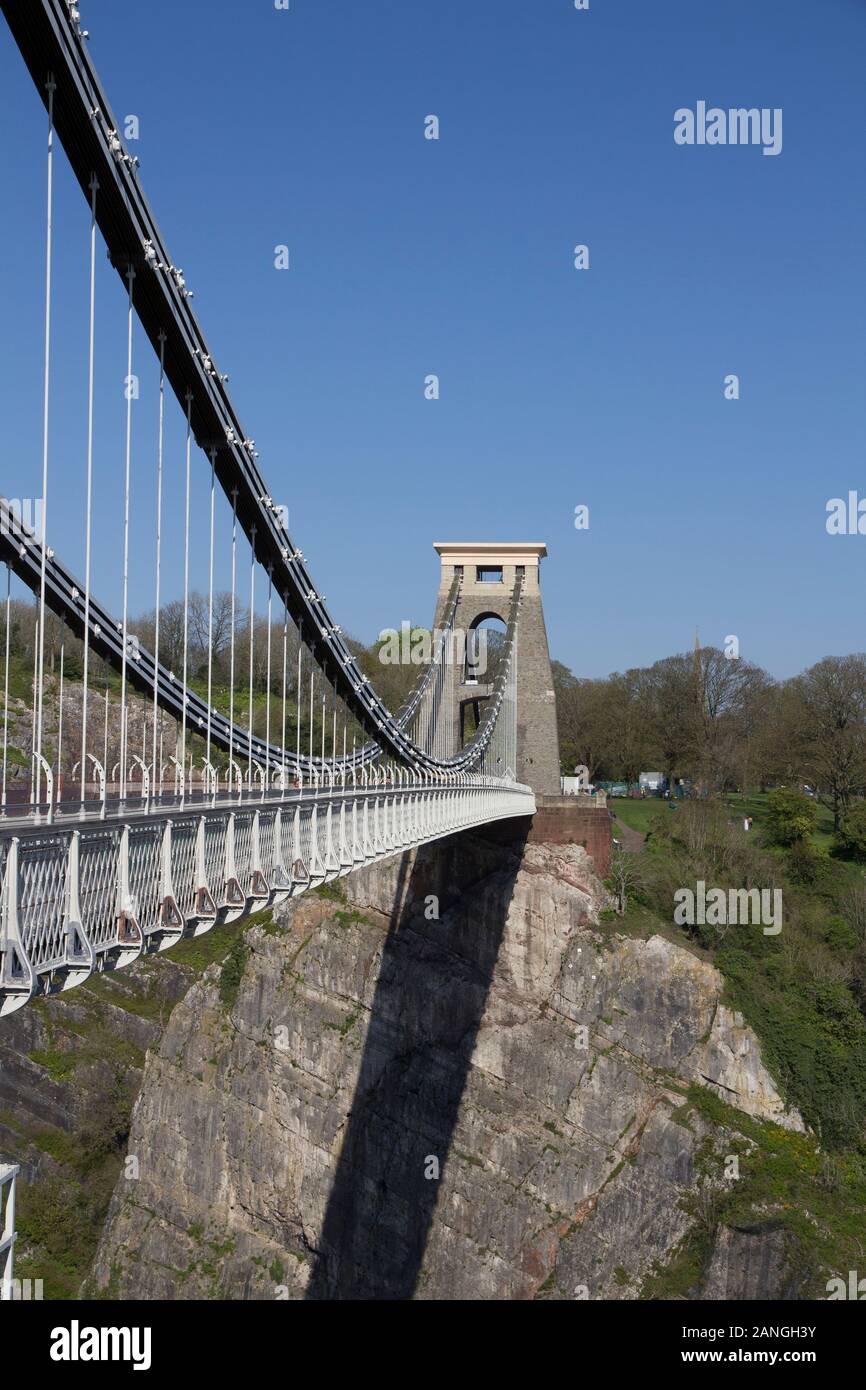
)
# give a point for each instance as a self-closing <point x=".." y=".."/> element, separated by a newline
<point x="489" y="571"/>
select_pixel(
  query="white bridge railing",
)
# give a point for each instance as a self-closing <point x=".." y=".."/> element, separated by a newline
<point x="8" y="1174"/>
<point x="97" y="895"/>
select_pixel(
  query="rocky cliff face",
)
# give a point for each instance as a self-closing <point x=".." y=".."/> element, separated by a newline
<point x="452" y="1084"/>
<point x="70" y="1070"/>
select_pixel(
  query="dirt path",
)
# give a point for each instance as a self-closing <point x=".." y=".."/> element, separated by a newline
<point x="631" y="841"/>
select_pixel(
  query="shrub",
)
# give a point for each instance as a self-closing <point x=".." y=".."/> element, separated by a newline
<point x="853" y="907"/>
<point x="840" y="935"/>
<point x="791" y="816"/>
<point x="852" y="832"/>
<point x="805" y="864"/>
<point x="232" y="972"/>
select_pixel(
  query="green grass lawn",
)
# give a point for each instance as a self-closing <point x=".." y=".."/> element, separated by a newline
<point x="755" y="805"/>
<point x="639" y="814"/>
<point x="636" y="813"/>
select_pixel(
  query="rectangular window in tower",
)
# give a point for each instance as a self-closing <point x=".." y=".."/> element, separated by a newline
<point x="488" y="574"/>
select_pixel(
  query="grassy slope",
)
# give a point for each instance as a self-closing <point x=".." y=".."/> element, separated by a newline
<point x="785" y="1181"/>
<point x="640" y="814"/>
<point x="795" y="991"/>
<point x="61" y="1213"/>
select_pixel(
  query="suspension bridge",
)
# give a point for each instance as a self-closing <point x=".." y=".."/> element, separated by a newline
<point x="151" y="804"/>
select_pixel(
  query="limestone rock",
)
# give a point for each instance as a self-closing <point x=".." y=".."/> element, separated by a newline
<point x="454" y="1084"/>
<point x="750" y="1264"/>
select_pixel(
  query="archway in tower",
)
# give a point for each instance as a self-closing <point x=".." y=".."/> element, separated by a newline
<point x="485" y="647"/>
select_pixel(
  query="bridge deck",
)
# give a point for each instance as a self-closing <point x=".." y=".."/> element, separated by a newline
<point x="90" y="894"/>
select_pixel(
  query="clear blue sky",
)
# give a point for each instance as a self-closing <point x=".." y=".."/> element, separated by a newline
<point x="454" y="257"/>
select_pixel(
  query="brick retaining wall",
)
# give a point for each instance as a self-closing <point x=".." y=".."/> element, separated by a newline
<point x="563" y="821"/>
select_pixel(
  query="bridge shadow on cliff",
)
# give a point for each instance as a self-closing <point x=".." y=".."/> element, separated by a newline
<point x="429" y="999"/>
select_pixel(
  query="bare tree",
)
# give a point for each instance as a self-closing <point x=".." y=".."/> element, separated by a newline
<point x="626" y="875"/>
<point x="832" y="699"/>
